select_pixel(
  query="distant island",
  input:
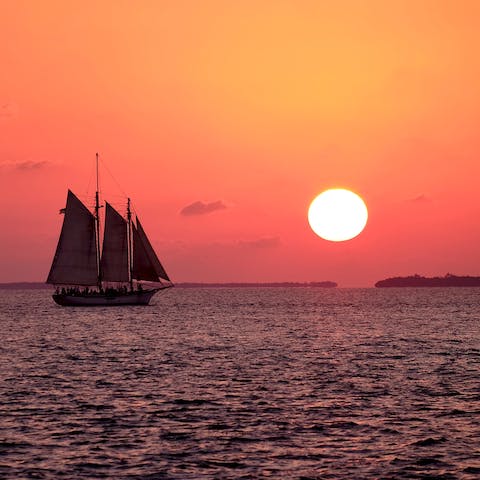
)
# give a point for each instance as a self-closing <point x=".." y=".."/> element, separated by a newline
<point x="326" y="284"/>
<point x="448" y="280"/>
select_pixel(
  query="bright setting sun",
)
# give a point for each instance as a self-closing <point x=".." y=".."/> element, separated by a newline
<point x="337" y="215"/>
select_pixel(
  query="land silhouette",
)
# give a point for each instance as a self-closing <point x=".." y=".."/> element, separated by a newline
<point x="324" y="284"/>
<point x="449" y="280"/>
<point x="416" y="280"/>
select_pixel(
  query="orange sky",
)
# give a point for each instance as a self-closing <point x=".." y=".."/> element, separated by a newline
<point x="259" y="105"/>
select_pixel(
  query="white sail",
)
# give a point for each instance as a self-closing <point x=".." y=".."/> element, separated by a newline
<point x="75" y="261"/>
<point x="152" y="256"/>
<point x="114" y="263"/>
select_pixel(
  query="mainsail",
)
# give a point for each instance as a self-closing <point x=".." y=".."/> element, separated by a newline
<point x="114" y="263"/>
<point x="75" y="261"/>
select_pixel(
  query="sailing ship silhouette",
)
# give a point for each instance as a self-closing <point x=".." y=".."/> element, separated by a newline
<point x="112" y="275"/>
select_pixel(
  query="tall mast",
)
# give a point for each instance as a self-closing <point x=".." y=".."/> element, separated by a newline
<point x="97" y="231"/>
<point x="129" y="245"/>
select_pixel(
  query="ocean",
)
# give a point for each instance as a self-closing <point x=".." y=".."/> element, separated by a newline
<point x="243" y="383"/>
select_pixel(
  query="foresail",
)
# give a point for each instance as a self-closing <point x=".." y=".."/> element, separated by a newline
<point x="114" y="263"/>
<point x="152" y="256"/>
<point x="142" y="267"/>
<point x="75" y="260"/>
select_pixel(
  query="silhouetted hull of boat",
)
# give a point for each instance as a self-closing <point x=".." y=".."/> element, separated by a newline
<point x="100" y="300"/>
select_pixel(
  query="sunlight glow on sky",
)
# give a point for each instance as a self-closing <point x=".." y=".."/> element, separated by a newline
<point x="242" y="112"/>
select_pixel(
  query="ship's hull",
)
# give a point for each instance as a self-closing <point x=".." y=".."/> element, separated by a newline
<point x="101" y="300"/>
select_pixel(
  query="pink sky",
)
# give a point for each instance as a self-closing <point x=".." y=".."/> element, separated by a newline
<point x="252" y="108"/>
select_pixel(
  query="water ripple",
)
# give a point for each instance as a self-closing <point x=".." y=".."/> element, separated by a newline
<point x="243" y="384"/>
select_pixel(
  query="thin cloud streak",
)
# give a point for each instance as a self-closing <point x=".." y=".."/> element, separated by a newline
<point x="26" y="165"/>
<point x="264" y="242"/>
<point x="30" y="165"/>
<point x="420" y="199"/>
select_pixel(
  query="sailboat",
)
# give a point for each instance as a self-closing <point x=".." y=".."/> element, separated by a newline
<point x="85" y="275"/>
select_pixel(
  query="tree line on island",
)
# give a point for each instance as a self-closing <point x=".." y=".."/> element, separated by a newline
<point x="416" y="280"/>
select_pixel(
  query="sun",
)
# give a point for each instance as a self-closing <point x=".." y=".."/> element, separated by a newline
<point x="337" y="215"/>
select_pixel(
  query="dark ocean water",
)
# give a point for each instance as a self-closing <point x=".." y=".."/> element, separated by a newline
<point x="243" y="384"/>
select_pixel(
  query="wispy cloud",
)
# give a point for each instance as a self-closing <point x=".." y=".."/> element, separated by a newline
<point x="202" y="208"/>
<point x="25" y="165"/>
<point x="31" y="165"/>
<point x="420" y="199"/>
<point x="264" y="242"/>
<point x="7" y="110"/>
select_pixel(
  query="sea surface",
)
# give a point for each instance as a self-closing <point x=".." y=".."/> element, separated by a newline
<point x="243" y="383"/>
